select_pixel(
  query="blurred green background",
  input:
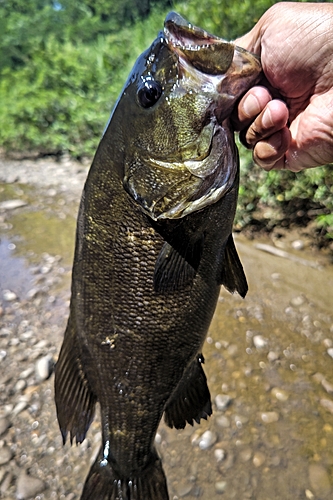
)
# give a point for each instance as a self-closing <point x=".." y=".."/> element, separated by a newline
<point x="63" y="64"/>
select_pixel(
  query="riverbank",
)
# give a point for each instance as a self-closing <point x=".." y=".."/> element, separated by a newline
<point x="268" y="360"/>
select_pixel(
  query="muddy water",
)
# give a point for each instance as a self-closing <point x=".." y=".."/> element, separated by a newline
<point x="268" y="361"/>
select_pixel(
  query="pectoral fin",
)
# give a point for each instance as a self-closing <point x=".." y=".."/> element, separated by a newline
<point x="75" y="401"/>
<point x="172" y="271"/>
<point x="232" y="273"/>
<point x="191" y="400"/>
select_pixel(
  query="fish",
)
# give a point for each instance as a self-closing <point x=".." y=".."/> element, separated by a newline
<point x="153" y="246"/>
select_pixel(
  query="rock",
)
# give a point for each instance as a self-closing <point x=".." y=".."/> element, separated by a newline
<point x="20" y="386"/>
<point x="330" y="352"/>
<point x="245" y="454"/>
<point x="28" y="486"/>
<point x="223" y="421"/>
<point x="207" y="440"/>
<point x="9" y="296"/>
<point x="44" y="368"/>
<point x="6" y="455"/>
<point x="12" y="204"/>
<point x="183" y="488"/>
<point x="327" y="386"/>
<point x="220" y="487"/>
<point x="297" y="244"/>
<point x="4" y="425"/>
<point x="222" y="401"/>
<point x="259" y="341"/>
<point x="272" y="356"/>
<point x="319" y="480"/>
<point x="280" y="394"/>
<point x="269" y="417"/>
<point x="219" y="454"/>
<point x="327" y="403"/>
<point x="258" y="459"/>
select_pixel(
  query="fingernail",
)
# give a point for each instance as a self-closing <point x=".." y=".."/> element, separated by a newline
<point x="267" y="119"/>
<point x="251" y="106"/>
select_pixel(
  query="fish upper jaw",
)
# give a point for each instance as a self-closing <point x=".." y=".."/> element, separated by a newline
<point x="210" y="63"/>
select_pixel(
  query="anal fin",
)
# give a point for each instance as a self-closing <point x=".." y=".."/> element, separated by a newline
<point x="75" y="401"/>
<point x="232" y="274"/>
<point x="191" y="400"/>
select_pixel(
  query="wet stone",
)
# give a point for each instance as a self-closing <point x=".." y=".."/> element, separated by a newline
<point x="220" y="487"/>
<point x="4" y="425"/>
<point x="328" y="404"/>
<point x="258" y="459"/>
<point x="219" y="454"/>
<point x="269" y="417"/>
<point x="9" y="296"/>
<point x="259" y="341"/>
<point x="6" y="455"/>
<point x="280" y="394"/>
<point x="330" y="352"/>
<point x="183" y="488"/>
<point x="207" y="440"/>
<point x="319" y="480"/>
<point x="28" y="486"/>
<point x="222" y="401"/>
<point x="44" y="368"/>
<point x="12" y="204"/>
<point x="223" y="421"/>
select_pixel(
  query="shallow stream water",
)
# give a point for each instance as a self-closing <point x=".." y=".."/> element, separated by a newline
<point x="268" y="359"/>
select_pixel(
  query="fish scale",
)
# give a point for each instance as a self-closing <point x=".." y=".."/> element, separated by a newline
<point x="153" y="246"/>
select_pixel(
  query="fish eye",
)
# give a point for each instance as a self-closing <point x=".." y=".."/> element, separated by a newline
<point x="149" y="93"/>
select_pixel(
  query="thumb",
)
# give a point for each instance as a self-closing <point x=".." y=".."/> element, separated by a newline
<point x="251" y="41"/>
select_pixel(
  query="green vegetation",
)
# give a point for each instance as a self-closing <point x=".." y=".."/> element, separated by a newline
<point x="62" y="66"/>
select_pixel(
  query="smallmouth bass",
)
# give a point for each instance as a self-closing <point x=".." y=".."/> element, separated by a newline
<point x="153" y="246"/>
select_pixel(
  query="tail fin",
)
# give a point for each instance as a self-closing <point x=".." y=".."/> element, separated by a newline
<point x="103" y="483"/>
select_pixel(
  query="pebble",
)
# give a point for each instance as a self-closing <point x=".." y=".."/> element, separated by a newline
<point x="222" y="401"/>
<point x="327" y="386"/>
<point x="12" y="204"/>
<point x="245" y="454"/>
<point x="183" y="488"/>
<point x="20" y="386"/>
<point x="223" y="421"/>
<point x="219" y="454"/>
<point x="4" y="425"/>
<point x="21" y="405"/>
<point x="6" y="455"/>
<point x="259" y="341"/>
<point x="28" y="486"/>
<point x="319" y="480"/>
<point x="328" y="404"/>
<point x="207" y="440"/>
<point x="9" y="296"/>
<point x="272" y="356"/>
<point x="297" y="244"/>
<point x="269" y="417"/>
<point x="280" y="394"/>
<point x="44" y="368"/>
<point x="258" y="459"/>
<point x="297" y="301"/>
<point x="220" y="487"/>
<point x="330" y="352"/>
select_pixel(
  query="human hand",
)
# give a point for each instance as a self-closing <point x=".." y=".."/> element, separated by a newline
<point x="289" y="120"/>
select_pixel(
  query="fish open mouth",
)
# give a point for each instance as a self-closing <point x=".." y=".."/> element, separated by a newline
<point x="206" y="52"/>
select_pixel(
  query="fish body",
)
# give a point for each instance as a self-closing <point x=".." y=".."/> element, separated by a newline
<point x="153" y="246"/>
